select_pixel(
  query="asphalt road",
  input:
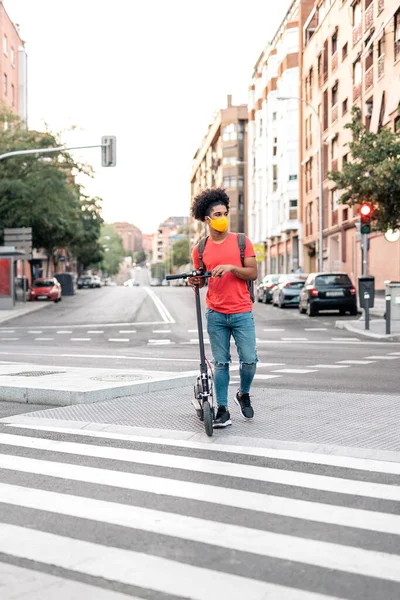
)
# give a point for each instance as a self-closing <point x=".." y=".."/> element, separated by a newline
<point x="155" y="327"/>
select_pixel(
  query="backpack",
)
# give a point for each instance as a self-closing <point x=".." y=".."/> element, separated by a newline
<point x="242" y="245"/>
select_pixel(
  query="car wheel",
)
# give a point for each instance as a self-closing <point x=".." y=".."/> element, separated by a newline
<point x="354" y="312"/>
<point x="280" y="303"/>
<point x="265" y="298"/>
<point x="302" y="310"/>
<point x="342" y="311"/>
<point x="311" y="310"/>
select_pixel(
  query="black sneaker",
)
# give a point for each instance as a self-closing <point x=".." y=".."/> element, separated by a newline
<point x="223" y="418"/>
<point x="244" y="404"/>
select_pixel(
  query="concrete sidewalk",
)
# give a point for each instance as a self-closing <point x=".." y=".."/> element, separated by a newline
<point x="377" y="328"/>
<point x="64" y="386"/>
<point x="21" y="309"/>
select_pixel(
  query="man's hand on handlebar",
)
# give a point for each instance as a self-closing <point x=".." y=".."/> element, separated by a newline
<point x="196" y="281"/>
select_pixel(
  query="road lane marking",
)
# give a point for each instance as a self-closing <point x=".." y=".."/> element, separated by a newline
<point x="331" y="366"/>
<point x="63" y="331"/>
<point x="80" y="339"/>
<point x="264" y="377"/>
<point x="127" y="331"/>
<point x="161" y="331"/>
<point x="111" y="356"/>
<point x="95" y="331"/>
<point x="382" y="357"/>
<point x="196" y="341"/>
<point x="159" y="342"/>
<point x="162" y="309"/>
<point x="295" y="371"/>
<point x="137" y="569"/>
<point x="168" y="486"/>
<point x="195" y="330"/>
<point x="9" y="339"/>
<point x="394" y="353"/>
<point x="348" y="339"/>
<point x="315" y="329"/>
<point x="35" y="331"/>
<point x="294" y="339"/>
<point x="355" y="362"/>
<point x="269" y="364"/>
<point x="233" y="537"/>
<point x="44" y="339"/>
<point x="119" y="339"/>
<point x="274" y="329"/>
<point x="7" y="331"/>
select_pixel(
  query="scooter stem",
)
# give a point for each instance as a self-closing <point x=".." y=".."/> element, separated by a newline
<point x="203" y="366"/>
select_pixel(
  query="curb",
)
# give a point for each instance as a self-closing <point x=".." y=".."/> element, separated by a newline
<point x="22" y="312"/>
<point x="369" y="334"/>
<point x="67" y="397"/>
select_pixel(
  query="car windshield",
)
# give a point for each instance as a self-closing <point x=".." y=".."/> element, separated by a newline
<point x="335" y="280"/>
<point x="296" y="284"/>
<point x="43" y="283"/>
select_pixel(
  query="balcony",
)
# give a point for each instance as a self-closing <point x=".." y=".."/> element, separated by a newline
<point x="369" y="78"/>
<point x="335" y="113"/>
<point x="320" y="80"/>
<point x="381" y="66"/>
<point x="356" y="91"/>
<point x="334" y="164"/>
<point x="381" y="5"/>
<point x="335" y="62"/>
<point x="369" y="16"/>
<point x="357" y="32"/>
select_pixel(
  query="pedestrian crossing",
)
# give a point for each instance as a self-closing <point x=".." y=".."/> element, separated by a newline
<point x="105" y="516"/>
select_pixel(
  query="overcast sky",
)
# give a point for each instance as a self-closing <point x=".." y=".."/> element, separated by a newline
<point x="151" y="72"/>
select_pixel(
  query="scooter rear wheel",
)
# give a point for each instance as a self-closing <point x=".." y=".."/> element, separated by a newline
<point x="208" y="418"/>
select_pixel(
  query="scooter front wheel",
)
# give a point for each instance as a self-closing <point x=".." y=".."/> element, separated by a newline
<point x="208" y="418"/>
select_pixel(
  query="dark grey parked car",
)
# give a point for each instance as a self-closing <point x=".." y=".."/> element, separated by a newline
<point x="265" y="288"/>
<point x="328" y="291"/>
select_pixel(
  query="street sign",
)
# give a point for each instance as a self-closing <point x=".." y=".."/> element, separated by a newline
<point x="260" y="252"/>
<point x="20" y="237"/>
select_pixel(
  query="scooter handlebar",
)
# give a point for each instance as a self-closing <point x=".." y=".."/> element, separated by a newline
<point x="202" y="274"/>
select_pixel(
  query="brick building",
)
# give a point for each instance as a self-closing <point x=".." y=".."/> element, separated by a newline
<point x="131" y="235"/>
<point x="13" y="66"/>
<point x="351" y="57"/>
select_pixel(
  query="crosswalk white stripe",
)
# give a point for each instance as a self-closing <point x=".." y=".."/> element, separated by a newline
<point x="200" y="465"/>
<point x="185" y="489"/>
<point x="142" y="570"/>
<point x="232" y="537"/>
<point x="19" y="582"/>
<point x="360" y="464"/>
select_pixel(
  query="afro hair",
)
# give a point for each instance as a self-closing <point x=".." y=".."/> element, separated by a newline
<point x="204" y="201"/>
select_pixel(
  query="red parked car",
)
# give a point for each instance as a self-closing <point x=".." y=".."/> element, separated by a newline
<point x="46" y="288"/>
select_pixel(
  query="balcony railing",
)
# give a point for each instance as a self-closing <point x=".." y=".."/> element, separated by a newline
<point x="334" y="164"/>
<point x="335" y="61"/>
<point x="369" y="16"/>
<point x="381" y="65"/>
<point x="357" y="31"/>
<point x="293" y="214"/>
<point x="369" y="77"/>
<point x="356" y="91"/>
<point x="335" y="113"/>
<point x="381" y="5"/>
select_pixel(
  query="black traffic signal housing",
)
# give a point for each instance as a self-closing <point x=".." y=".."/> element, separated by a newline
<point x="366" y="211"/>
<point x="108" y="151"/>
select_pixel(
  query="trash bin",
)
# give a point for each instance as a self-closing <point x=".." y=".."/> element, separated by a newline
<point x="366" y="291"/>
<point x="392" y="289"/>
<point x="66" y="281"/>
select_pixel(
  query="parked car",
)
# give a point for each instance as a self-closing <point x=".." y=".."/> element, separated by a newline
<point x="131" y="283"/>
<point x="154" y="282"/>
<point x="45" y="289"/>
<point x="265" y="288"/>
<point x="287" y="291"/>
<point x="86" y="281"/>
<point x="97" y="281"/>
<point x="328" y="291"/>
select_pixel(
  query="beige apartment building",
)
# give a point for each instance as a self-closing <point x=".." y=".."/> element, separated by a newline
<point x="131" y="235"/>
<point x="220" y="161"/>
<point x="351" y="57"/>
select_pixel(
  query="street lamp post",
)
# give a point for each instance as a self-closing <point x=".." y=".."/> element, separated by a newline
<point x="320" y="199"/>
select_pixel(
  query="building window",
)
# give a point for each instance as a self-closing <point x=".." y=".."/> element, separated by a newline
<point x="345" y="50"/>
<point x="241" y="130"/>
<point x="12" y="95"/>
<point x="274" y="116"/>
<point x="274" y="178"/>
<point x="335" y="94"/>
<point x="397" y="35"/>
<point x="345" y="106"/>
<point x="397" y="124"/>
<point x="5" y="84"/>
<point x="5" y="45"/>
<point x="229" y="182"/>
<point x="335" y="146"/>
<point x="292" y="177"/>
<point x="275" y="147"/>
<point x="229" y="160"/>
<point x="335" y="200"/>
<point x="346" y="214"/>
<point x="357" y="72"/>
<point x="356" y="14"/>
<point x="229" y="133"/>
<point x="261" y="128"/>
<point x="12" y="53"/>
<point x="345" y="159"/>
<point x="240" y="181"/>
<point x="334" y="40"/>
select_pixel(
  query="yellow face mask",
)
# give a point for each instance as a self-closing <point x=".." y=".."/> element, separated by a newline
<point x="220" y="224"/>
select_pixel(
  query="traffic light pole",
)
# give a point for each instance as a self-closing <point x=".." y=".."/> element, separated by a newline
<point x="364" y="243"/>
<point x="108" y="144"/>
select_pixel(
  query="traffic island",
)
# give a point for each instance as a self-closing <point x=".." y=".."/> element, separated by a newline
<point x="377" y="329"/>
<point x="65" y="386"/>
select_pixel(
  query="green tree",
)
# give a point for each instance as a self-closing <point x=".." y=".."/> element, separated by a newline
<point x="113" y="248"/>
<point x="373" y="173"/>
<point x="86" y="246"/>
<point x="181" y="252"/>
<point x="139" y="256"/>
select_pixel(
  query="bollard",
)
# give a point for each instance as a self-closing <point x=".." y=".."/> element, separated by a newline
<point x="388" y="299"/>
<point x="366" y="307"/>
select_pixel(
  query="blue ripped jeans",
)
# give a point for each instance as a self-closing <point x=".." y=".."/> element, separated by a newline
<point x="220" y="328"/>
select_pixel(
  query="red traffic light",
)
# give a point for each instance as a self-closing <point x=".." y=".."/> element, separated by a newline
<point x="366" y="210"/>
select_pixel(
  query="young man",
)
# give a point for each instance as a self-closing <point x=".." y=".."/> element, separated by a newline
<point x="229" y="306"/>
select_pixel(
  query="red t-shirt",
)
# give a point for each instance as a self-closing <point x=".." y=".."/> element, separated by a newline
<point x="227" y="294"/>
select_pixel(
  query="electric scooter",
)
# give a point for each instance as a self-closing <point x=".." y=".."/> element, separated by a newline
<point x="203" y="400"/>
